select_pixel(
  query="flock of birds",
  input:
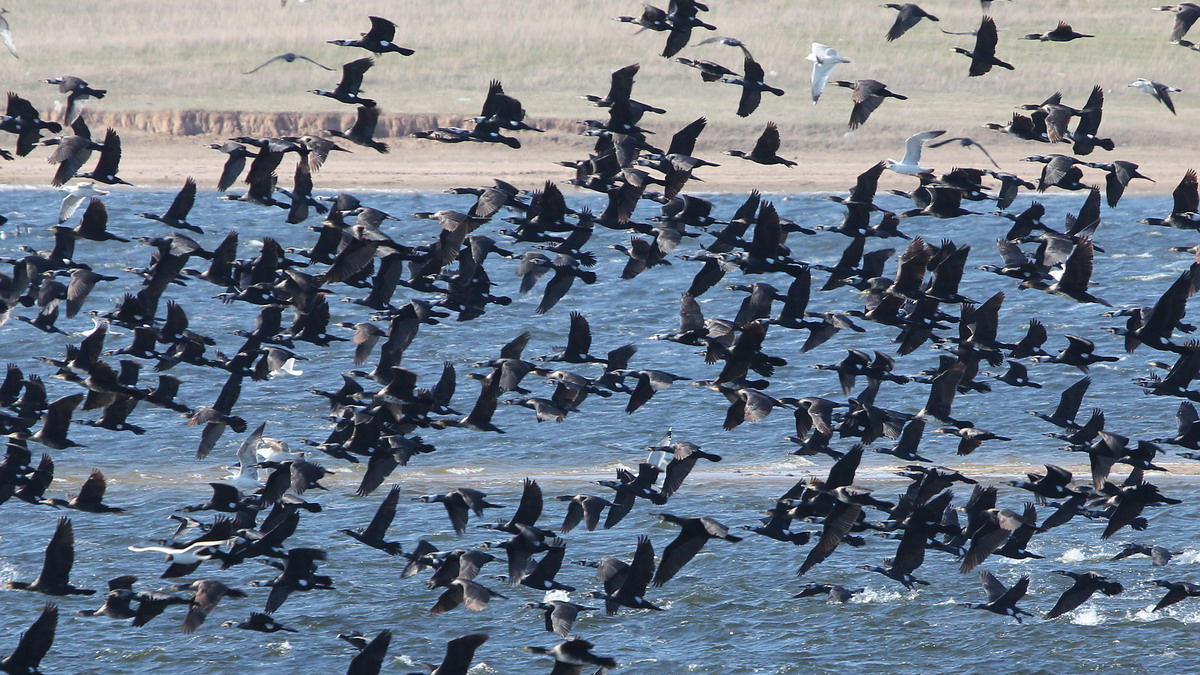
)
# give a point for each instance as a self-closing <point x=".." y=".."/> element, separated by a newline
<point x="385" y="418"/>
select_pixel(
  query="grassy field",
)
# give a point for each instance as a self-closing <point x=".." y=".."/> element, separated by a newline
<point x="154" y="56"/>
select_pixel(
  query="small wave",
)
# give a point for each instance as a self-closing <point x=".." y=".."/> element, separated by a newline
<point x="1086" y="553"/>
<point x="1072" y="555"/>
<point x="8" y="572"/>
<point x="1189" y="555"/>
<point x="284" y="647"/>
<point x="136" y="654"/>
<point x="1086" y="617"/>
<point x="876" y="596"/>
<point x="1144" y="614"/>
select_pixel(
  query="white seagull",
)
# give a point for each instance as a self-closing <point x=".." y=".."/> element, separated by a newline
<point x="192" y="554"/>
<point x="1160" y="92"/>
<point x="824" y="59"/>
<point x="911" y="164"/>
<point x="76" y="194"/>
<point x="6" y="34"/>
<point x="246" y="476"/>
<point x="275" y="450"/>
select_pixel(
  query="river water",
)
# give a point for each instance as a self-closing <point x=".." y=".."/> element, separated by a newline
<point x="730" y="610"/>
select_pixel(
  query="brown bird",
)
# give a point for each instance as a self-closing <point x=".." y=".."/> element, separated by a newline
<point x="209" y="592"/>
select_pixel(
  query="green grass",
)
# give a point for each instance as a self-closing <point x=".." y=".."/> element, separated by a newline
<point x="155" y="55"/>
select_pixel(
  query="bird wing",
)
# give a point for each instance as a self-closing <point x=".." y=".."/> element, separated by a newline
<point x="69" y="204"/>
<point x="352" y="74"/>
<point x="985" y="43"/>
<point x="1092" y="113"/>
<point x="60" y="555"/>
<point x="514" y="347"/>
<point x="151" y="604"/>
<point x="682" y="549"/>
<point x="530" y="507"/>
<point x="71" y="154"/>
<point x="821" y="71"/>
<point x="382" y="463"/>
<point x="1185" y="416"/>
<point x="269" y="61"/>
<point x="35" y="642"/>
<point x="621" y="83"/>
<point x="621" y="506"/>
<point x="579" y="335"/>
<point x="384" y="515"/>
<point x="459" y="653"/>
<point x="592" y="508"/>
<point x="246" y="453"/>
<point x="1071" y="399"/>
<point x="1183" y="22"/>
<point x="58" y="413"/>
<point x="684" y="140"/>
<point x="1170" y="308"/>
<point x="300" y="56"/>
<point x="476" y="596"/>
<point x="1077" y="270"/>
<point x="749" y="101"/>
<point x="110" y="155"/>
<point x="991" y="586"/>
<point x="837" y="525"/>
<point x="382" y="30"/>
<point x="93" y="489"/>
<point x="640" y="571"/>
<point x="365" y="121"/>
<point x="369" y="660"/>
<point x="1163" y="93"/>
<point x="449" y="599"/>
<point x="768" y="142"/>
<point x="904" y="21"/>
<point x="6" y="36"/>
<point x="1073" y="597"/>
<point x="575" y="513"/>
<point x="561" y="618"/>
<point x="1174" y="595"/>
<point x="1186" y="197"/>
<point x="82" y="283"/>
<point x="491" y="103"/>
<point x="677" y="39"/>
<point x="230" y="171"/>
<point x="208" y="594"/>
<point x="1129" y="506"/>
<point x="986" y="539"/>
<point x="1014" y="594"/>
<point x="912" y="147"/>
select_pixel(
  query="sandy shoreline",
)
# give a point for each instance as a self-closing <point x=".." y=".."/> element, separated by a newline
<point x="161" y="161"/>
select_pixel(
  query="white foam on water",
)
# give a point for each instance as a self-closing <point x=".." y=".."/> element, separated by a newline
<point x="8" y="572"/>
<point x="874" y="596"/>
<point x="1145" y="614"/>
<point x="1086" y="617"/>
<point x="1072" y="555"/>
<point x="1189" y="555"/>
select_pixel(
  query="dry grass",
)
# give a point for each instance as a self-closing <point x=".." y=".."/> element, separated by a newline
<point x="153" y="55"/>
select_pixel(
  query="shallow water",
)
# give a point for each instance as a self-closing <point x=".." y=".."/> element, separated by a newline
<point x="729" y="611"/>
